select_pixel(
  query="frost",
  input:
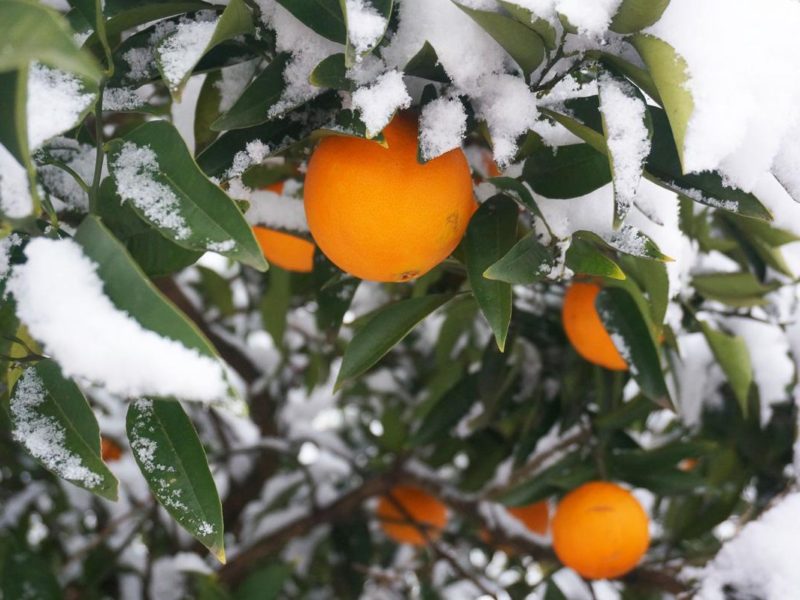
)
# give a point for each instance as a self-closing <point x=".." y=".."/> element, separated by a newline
<point x="42" y="435"/>
<point x="92" y="339"/>
<point x="378" y="102"/>
<point x="443" y="124"/>
<point x="135" y="169"/>
<point x="180" y="52"/>
<point x="15" y="196"/>
<point x="365" y="25"/>
<point x="627" y="139"/>
<point x="56" y="100"/>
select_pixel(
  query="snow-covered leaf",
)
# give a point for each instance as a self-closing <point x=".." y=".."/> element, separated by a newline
<point x="173" y="461"/>
<point x="526" y="262"/>
<point x="732" y="355"/>
<point x="32" y="32"/>
<point x="490" y="235"/>
<point x="628" y="240"/>
<point x="366" y="22"/>
<point x="568" y="172"/>
<point x="635" y="15"/>
<point x="541" y="26"/>
<point x="154" y="171"/>
<point x="52" y="419"/>
<point x="632" y="336"/>
<point x="386" y="328"/>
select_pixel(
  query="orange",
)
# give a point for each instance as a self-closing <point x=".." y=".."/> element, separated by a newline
<point x="109" y="449"/>
<point x="534" y="516"/>
<point x="423" y="509"/>
<point x="600" y="530"/>
<point x="377" y="213"/>
<point x="586" y="331"/>
<point x="283" y="249"/>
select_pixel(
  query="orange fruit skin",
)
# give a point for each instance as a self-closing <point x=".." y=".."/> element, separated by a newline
<point x="424" y="509"/>
<point x="377" y="213"/>
<point x="600" y="530"/>
<point x="283" y="249"/>
<point x="586" y="331"/>
<point x="109" y="450"/>
<point x="536" y="516"/>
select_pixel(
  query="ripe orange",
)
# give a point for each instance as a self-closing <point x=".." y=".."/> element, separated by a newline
<point x="600" y="530"/>
<point x="421" y="506"/>
<point x="536" y="516"/>
<point x="378" y="213"/>
<point x="109" y="449"/>
<point x="283" y="249"/>
<point x="586" y="331"/>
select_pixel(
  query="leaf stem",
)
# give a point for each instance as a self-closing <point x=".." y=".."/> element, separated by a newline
<point x="94" y="196"/>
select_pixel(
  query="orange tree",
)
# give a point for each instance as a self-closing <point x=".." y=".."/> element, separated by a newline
<point x="495" y="278"/>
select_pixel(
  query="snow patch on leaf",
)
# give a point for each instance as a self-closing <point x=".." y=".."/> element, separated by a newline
<point x="443" y="124"/>
<point x="377" y="103"/>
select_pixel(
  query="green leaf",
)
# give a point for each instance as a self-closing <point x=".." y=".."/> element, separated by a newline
<point x="522" y="43"/>
<point x="207" y="111"/>
<point x="635" y="15"/>
<point x="446" y="412"/>
<point x="670" y="75"/>
<point x="735" y="289"/>
<point x="568" y="473"/>
<point x="732" y="355"/>
<point x="332" y="73"/>
<point x="25" y="574"/>
<point x="568" y="172"/>
<point x="490" y="235"/>
<point x="54" y="422"/>
<point x="622" y="318"/>
<point x="520" y="191"/>
<point x="541" y="26"/>
<point x="30" y="31"/>
<point x="526" y="262"/>
<point x="652" y="278"/>
<point x="334" y="293"/>
<point x="129" y="289"/>
<point x="252" y="107"/>
<point x="275" y="304"/>
<point x="265" y="583"/>
<point x="425" y="64"/>
<point x="627" y="240"/>
<point x="14" y="131"/>
<point x="202" y="216"/>
<point x="92" y="11"/>
<point x="386" y="328"/>
<point x="323" y="16"/>
<point x="172" y="460"/>
<point x="235" y="20"/>
<point x="585" y="258"/>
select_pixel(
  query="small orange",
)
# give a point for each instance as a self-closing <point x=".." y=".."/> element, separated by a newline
<point x="109" y="449"/>
<point x="586" y="331"/>
<point x="283" y="249"/>
<point x="378" y="213"/>
<point x="535" y="517"/>
<point x="421" y="507"/>
<point x="600" y="530"/>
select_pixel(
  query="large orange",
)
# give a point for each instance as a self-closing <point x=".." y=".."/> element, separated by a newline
<point x="283" y="249"/>
<point x="423" y="509"/>
<point x="535" y="517"/>
<point x="378" y="213"/>
<point x="586" y="331"/>
<point x="600" y="530"/>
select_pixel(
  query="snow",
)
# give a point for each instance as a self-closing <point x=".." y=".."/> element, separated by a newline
<point x="121" y="99"/>
<point x="744" y="104"/>
<point x="180" y="52"/>
<point x="254" y="153"/>
<point x="78" y="157"/>
<point x="56" y="100"/>
<point x="15" y="196"/>
<point x="591" y="18"/>
<point x="378" y="102"/>
<point x="442" y="124"/>
<point x="365" y="25"/>
<point x="6" y="245"/>
<point x="760" y="561"/>
<point x="92" y="339"/>
<point x="509" y="107"/>
<point x="168" y="580"/>
<point x="627" y="138"/>
<point x="42" y="435"/>
<point x="135" y="169"/>
<point x="276" y="211"/>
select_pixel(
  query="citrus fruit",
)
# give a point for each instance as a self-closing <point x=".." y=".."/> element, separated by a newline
<point x="423" y="509"/>
<point x="283" y="249"/>
<point x="600" y="530"/>
<point x="586" y="331"/>
<point x="535" y="517"/>
<point x="377" y="213"/>
<point x="109" y="449"/>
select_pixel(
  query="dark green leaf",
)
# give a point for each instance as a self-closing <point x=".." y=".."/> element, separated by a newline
<point x="448" y="410"/>
<point x="567" y="172"/>
<point x="14" y="131"/>
<point x="25" y="574"/>
<point x="387" y="327"/>
<point x="332" y="73"/>
<point x="526" y="262"/>
<point x="541" y="26"/>
<point x="265" y="583"/>
<point x="323" y="16"/>
<point x="627" y="325"/>
<point x="732" y="355"/>
<point x="201" y="216"/>
<point x="172" y="460"/>
<point x="52" y="419"/>
<point x="509" y="184"/>
<point x="490" y="235"/>
<point x="425" y="64"/>
<point x="568" y="473"/>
